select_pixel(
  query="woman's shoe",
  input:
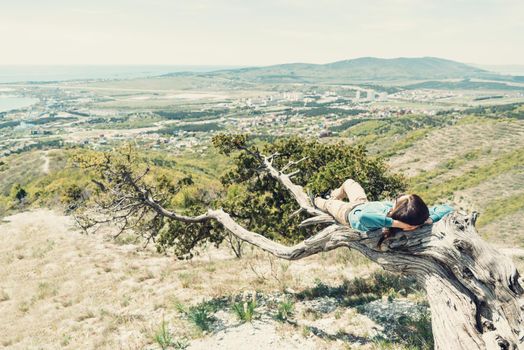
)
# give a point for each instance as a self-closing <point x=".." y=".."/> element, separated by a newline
<point x="312" y="199"/>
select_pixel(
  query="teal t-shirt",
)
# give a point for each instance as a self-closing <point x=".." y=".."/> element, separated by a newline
<point x="373" y="215"/>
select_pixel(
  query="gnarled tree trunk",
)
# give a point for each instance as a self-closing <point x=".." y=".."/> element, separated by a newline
<point x="473" y="290"/>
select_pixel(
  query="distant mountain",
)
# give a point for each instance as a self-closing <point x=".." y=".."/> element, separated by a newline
<point x="366" y="69"/>
<point x="464" y="84"/>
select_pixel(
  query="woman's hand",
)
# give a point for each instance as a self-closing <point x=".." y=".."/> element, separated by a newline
<point x="403" y="226"/>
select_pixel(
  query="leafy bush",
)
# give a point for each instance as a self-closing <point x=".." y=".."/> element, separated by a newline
<point x="261" y="203"/>
<point x="18" y="194"/>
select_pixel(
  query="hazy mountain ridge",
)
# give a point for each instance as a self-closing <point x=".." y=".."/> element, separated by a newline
<point x="365" y="69"/>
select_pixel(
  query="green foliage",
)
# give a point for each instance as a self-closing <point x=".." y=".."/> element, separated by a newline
<point x="285" y="310"/>
<point x="263" y="205"/>
<point x="69" y="182"/>
<point x="512" y="110"/>
<point x="200" y="315"/>
<point x="251" y="196"/>
<point x="195" y="115"/>
<point x="330" y="110"/>
<point x="200" y="318"/>
<point x="347" y="124"/>
<point x="407" y="141"/>
<point x="202" y="127"/>
<point x="433" y="192"/>
<point x="18" y="193"/>
<point x="397" y="125"/>
<point x="245" y="311"/>
<point x="112" y="171"/>
<point x="165" y="339"/>
<point x="501" y="207"/>
<point x="227" y="143"/>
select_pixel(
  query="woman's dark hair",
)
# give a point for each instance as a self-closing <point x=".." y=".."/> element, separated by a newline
<point x="410" y="209"/>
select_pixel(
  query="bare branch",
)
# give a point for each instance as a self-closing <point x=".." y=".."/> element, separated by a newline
<point x="296" y="190"/>
<point x="293" y="163"/>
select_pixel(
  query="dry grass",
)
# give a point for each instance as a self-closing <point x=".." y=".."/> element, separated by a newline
<point x="81" y="291"/>
<point x="445" y="144"/>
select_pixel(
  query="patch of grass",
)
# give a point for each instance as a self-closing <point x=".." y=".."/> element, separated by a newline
<point x="24" y="306"/>
<point x="125" y="318"/>
<point x="410" y="333"/>
<point x="406" y="142"/>
<point x="165" y="339"/>
<point x="362" y="290"/>
<point x="424" y="178"/>
<point x="306" y="331"/>
<point x="433" y="192"/>
<point x="201" y="318"/>
<point x="66" y="302"/>
<point x="189" y="279"/>
<point x="499" y="208"/>
<point x="46" y="290"/>
<point x="245" y="311"/>
<point x="66" y="339"/>
<point x="126" y="300"/>
<point x="311" y="314"/>
<point x="126" y="238"/>
<point x="199" y="315"/>
<point x="351" y="257"/>
<point x="285" y="310"/>
<point x="87" y="315"/>
<point x="338" y="314"/>
<point x="146" y="276"/>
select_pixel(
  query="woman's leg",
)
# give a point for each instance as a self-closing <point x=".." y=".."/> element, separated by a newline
<point x="351" y="190"/>
<point x="337" y="208"/>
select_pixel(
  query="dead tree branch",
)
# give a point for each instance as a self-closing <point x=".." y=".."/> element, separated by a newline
<point x="474" y="291"/>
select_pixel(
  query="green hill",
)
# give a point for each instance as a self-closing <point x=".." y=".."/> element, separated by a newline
<point x="365" y="69"/>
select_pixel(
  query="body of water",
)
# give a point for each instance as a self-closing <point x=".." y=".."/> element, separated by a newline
<point x="15" y="74"/>
<point x="8" y="103"/>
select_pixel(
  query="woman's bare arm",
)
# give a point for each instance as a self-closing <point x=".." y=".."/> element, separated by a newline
<point x="403" y="226"/>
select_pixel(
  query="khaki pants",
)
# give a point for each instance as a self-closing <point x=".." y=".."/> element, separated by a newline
<point x="340" y="209"/>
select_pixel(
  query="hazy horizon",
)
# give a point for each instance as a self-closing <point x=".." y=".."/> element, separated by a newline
<point x="233" y="66"/>
<point x="247" y="33"/>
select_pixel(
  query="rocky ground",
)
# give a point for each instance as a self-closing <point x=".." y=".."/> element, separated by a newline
<point x="62" y="289"/>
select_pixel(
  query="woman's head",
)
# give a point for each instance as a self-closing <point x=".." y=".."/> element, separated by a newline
<point x="410" y="209"/>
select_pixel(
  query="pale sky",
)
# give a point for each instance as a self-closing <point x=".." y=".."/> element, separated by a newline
<point x="248" y="32"/>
